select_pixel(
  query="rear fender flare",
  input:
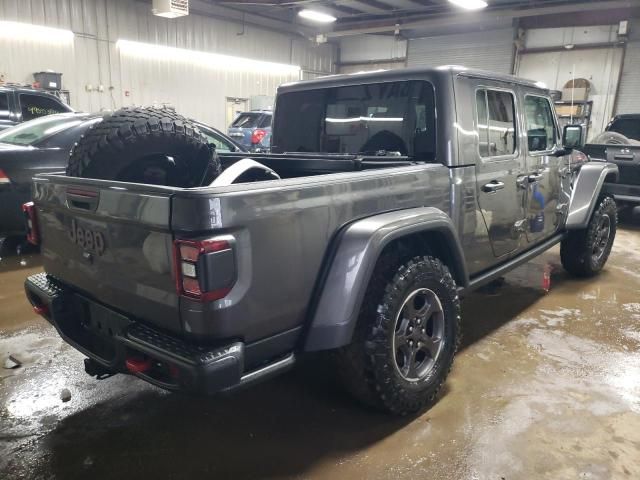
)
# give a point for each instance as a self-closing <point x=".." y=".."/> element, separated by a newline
<point x="358" y="248"/>
<point x="586" y="190"/>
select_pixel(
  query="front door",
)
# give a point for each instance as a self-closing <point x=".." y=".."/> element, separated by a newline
<point x="544" y="213"/>
<point x="500" y="169"/>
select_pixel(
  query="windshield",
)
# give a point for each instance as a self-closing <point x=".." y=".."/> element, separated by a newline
<point x="391" y="118"/>
<point x="629" y="127"/>
<point x="33" y="131"/>
<point x="246" y="120"/>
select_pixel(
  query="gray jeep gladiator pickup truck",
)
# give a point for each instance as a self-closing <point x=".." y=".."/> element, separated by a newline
<point x="387" y="196"/>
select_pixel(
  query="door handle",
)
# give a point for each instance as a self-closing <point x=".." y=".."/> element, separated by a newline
<point x="534" y="177"/>
<point x="522" y="181"/>
<point x="493" y="186"/>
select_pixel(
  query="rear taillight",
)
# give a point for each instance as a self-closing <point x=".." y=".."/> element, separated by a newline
<point x="257" y="135"/>
<point x="4" y="178"/>
<point x="33" y="235"/>
<point x="205" y="269"/>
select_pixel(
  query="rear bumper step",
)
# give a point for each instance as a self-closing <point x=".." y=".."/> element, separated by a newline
<point x="122" y="345"/>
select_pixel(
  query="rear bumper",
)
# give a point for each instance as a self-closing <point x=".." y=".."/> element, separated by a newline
<point x="623" y="192"/>
<point x="122" y="345"/>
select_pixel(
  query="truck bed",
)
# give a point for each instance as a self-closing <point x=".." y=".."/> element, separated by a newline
<point x="294" y="219"/>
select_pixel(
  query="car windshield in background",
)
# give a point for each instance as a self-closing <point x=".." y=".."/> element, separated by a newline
<point x="391" y="118"/>
<point x="33" y="131"/>
<point x="246" y="120"/>
<point x="629" y="127"/>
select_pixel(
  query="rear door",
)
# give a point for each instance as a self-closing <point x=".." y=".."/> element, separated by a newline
<point x="499" y="166"/>
<point x="544" y="213"/>
<point x="112" y="242"/>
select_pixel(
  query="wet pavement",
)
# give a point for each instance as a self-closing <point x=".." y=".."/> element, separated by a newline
<point x="546" y="386"/>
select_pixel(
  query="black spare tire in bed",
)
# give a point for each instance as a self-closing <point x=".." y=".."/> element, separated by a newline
<point x="145" y="145"/>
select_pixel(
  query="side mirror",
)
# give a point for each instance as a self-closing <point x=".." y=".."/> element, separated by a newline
<point x="572" y="137"/>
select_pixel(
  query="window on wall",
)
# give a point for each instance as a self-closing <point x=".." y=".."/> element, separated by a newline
<point x="496" y="123"/>
<point x="541" y="129"/>
<point x="34" y="106"/>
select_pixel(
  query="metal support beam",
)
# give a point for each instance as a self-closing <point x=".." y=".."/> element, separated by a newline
<point x="488" y="17"/>
<point x="208" y="9"/>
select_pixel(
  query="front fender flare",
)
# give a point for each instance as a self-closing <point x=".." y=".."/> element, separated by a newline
<point x="586" y="190"/>
<point x="359" y="245"/>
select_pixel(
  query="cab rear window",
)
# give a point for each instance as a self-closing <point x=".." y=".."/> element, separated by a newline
<point x="390" y="118"/>
<point x="628" y="127"/>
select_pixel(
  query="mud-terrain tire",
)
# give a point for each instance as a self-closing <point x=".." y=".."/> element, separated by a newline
<point x="375" y="366"/>
<point x="584" y="252"/>
<point x="145" y="145"/>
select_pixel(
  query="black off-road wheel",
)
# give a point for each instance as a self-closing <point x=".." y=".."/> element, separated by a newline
<point x="406" y="337"/>
<point x="585" y="252"/>
<point x="145" y="145"/>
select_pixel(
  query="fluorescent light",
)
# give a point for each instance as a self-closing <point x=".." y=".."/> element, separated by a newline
<point x="28" y="31"/>
<point x="211" y="60"/>
<point x="470" y="4"/>
<point x="316" y="16"/>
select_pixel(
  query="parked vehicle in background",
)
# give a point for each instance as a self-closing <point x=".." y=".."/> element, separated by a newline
<point x="20" y="104"/>
<point x="37" y="146"/>
<point x="357" y="233"/>
<point x="222" y="143"/>
<point x="620" y="144"/>
<point x="253" y="130"/>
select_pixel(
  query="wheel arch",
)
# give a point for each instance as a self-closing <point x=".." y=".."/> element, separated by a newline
<point x="332" y="317"/>
<point x="586" y="190"/>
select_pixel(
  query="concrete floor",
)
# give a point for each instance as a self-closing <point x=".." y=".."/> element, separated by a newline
<point x="546" y="386"/>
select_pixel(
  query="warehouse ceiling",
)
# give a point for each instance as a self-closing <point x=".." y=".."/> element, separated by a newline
<point x="405" y="16"/>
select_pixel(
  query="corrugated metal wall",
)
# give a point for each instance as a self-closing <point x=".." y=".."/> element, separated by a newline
<point x="629" y="89"/>
<point x="196" y="90"/>
<point x="488" y="50"/>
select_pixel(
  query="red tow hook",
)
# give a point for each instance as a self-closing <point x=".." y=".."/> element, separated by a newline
<point x="41" y="310"/>
<point x="138" y="365"/>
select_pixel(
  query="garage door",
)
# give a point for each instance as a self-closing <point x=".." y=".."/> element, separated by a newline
<point x="489" y="50"/>
<point x="600" y="65"/>
<point x="629" y="93"/>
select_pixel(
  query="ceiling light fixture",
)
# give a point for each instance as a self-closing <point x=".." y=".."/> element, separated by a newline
<point x="470" y="4"/>
<point x="316" y="16"/>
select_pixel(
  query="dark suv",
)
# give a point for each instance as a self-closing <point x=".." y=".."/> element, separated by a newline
<point x="19" y="104"/>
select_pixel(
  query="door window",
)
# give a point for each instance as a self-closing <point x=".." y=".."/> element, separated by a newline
<point x="541" y="129"/>
<point x="4" y="105"/>
<point x="220" y="144"/>
<point x="496" y="123"/>
<point x="34" y="106"/>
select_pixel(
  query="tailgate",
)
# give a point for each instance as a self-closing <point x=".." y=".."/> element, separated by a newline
<point x="627" y="158"/>
<point x="111" y="241"/>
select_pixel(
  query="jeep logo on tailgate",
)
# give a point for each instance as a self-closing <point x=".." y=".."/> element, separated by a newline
<point x="86" y="238"/>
